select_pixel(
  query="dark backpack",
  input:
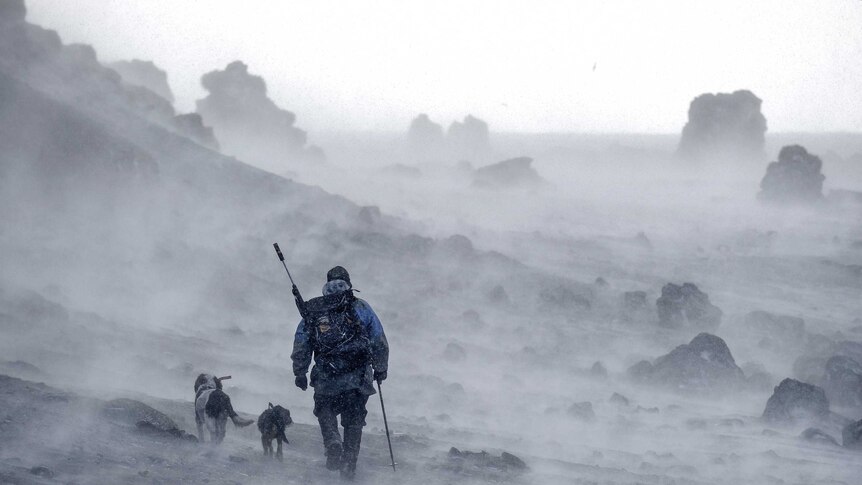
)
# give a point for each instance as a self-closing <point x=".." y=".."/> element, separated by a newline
<point x="339" y="342"/>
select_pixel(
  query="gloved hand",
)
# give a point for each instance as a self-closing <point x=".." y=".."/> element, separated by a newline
<point x="380" y="376"/>
<point x="301" y="382"/>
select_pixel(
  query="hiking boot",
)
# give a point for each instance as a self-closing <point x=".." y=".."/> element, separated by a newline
<point x="352" y="440"/>
<point x="241" y="422"/>
<point x="333" y="457"/>
<point x="348" y="470"/>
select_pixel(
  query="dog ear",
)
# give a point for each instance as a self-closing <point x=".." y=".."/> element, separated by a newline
<point x="270" y="405"/>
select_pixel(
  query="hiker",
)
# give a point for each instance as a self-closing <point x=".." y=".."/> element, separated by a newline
<point x="349" y="349"/>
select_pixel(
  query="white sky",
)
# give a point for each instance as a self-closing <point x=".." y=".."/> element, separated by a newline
<point x="521" y="66"/>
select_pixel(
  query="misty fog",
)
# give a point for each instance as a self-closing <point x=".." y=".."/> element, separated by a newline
<point x="588" y="306"/>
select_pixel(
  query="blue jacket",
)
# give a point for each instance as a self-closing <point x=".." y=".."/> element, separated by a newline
<point x="326" y="383"/>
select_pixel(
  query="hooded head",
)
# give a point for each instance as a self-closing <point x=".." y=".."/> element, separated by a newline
<point x="338" y="273"/>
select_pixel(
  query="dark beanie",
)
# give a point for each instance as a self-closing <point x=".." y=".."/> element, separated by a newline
<point x="338" y="273"/>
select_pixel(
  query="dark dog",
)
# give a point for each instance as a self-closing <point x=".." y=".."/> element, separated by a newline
<point x="271" y="424"/>
<point x="213" y="407"/>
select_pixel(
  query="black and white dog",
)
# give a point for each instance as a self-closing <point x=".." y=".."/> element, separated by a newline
<point x="271" y="424"/>
<point x="212" y="408"/>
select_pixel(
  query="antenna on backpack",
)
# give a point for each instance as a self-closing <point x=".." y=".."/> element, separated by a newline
<point x="300" y="304"/>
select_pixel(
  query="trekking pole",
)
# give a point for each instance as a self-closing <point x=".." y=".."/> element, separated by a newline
<point x="386" y="425"/>
<point x="300" y="304"/>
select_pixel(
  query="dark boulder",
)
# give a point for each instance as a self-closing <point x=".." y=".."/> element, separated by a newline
<point x="468" y="461"/>
<point x="793" y="401"/>
<point x="852" y="435"/>
<point x="815" y="435"/>
<point x="686" y="305"/>
<point x="498" y="294"/>
<point x="598" y="370"/>
<point x="724" y="126"/>
<point x="795" y="177"/>
<point x="514" y="172"/>
<point x="843" y="381"/>
<point x="144" y="418"/>
<point x="619" y="399"/>
<point x="704" y="363"/>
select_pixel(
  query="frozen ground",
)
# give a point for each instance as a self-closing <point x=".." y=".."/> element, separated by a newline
<point x="134" y="259"/>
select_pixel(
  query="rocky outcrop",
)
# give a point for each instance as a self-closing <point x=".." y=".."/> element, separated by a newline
<point x="704" y="363"/>
<point x="724" y="126"/>
<point x="795" y="177"/>
<point x="686" y="305"/>
<point x="469" y="139"/>
<point x="247" y="122"/>
<point x="852" y="435"/>
<point x="425" y="138"/>
<point x="793" y="401"/>
<point x="514" y="172"/>
<point x="192" y="126"/>
<point x="144" y="74"/>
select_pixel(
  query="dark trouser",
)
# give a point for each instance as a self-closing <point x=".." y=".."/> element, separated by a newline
<point x="351" y="406"/>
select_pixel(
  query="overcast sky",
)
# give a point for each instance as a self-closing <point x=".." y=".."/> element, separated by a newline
<point x="521" y="66"/>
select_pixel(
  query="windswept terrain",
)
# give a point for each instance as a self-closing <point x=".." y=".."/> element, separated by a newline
<point x="583" y="308"/>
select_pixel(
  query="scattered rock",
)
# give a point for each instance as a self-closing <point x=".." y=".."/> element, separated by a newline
<point x="723" y="126"/>
<point x="818" y="436"/>
<point x="686" y="304"/>
<point x="852" y="435"/>
<point x="498" y="295"/>
<point x="704" y="363"/>
<point x="652" y="410"/>
<point x="563" y="297"/>
<point x="514" y="172"/>
<point x="795" y="177"/>
<point x="150" y="429"/>
<point x="454" y="353"/>
<point x="482" y="459"/>
<point x="601" y="282"/>
<point x="131" y="413"/>
<point x="598" y="370"/>
<point x="619" y="399"/>
<point x="42" y="471"/>
<point x="793" y="401"/>
<point x="582" y="411"/>
<point x="641" y="370"/>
